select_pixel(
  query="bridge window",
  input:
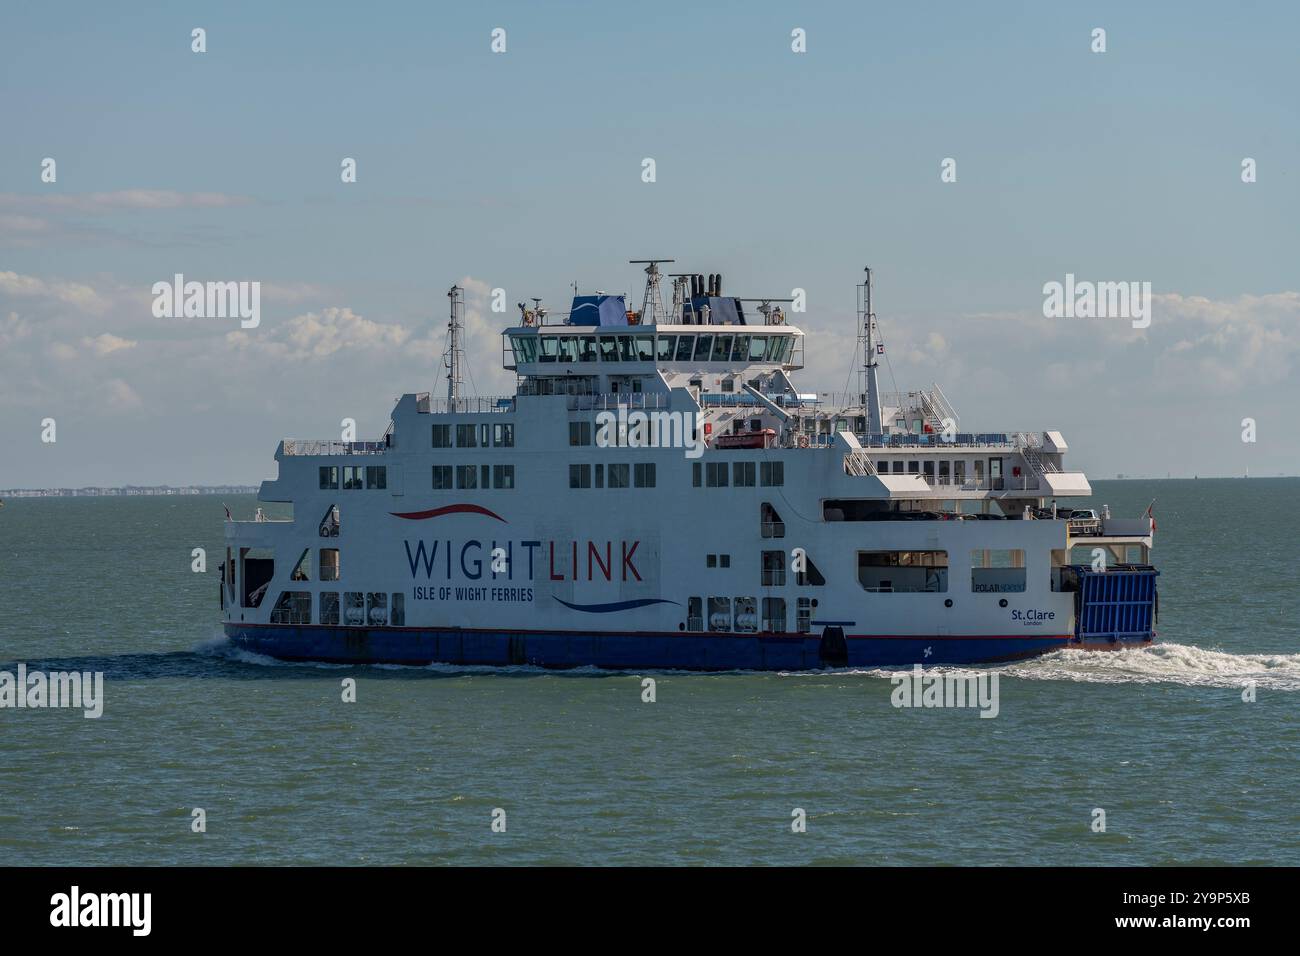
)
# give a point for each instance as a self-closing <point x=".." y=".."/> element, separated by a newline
<point x="586" y="348"/>
<point x="547" y="348"/>
<point x="997" y="571"/>
<point x="568" y="348"/>
<point x="685" y="347"/>
<point x="329" y="607"/>
<point x="903" y="572"/>
<point x="466" y="476"/>
<point x="665" y="349"/>
<point x="645" y="348"/>
<point x="441" y="436"/>
<point x="721" y="348"/>
<point x="442" y="478"/>
<point x="740" y="350"/>
<point x="703" y="348"/>
<point x="774" y="615"/>
<point x="772" y="473"/>
<point x="608" y="348"/>
<point x="626" y="349"/>
<point x="329" y="477"/>
<point x="503" y="476"/>
<point x="329" y="565"/>
<point x="757" y="349"/>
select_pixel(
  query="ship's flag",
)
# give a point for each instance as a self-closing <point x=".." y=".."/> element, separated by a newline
<point x="1152" y="515"/>
<point x="228" y="518"/>
<point x="880" y="348"/>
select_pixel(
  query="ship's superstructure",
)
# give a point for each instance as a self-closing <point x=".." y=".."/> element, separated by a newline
<point x="659" y="493"/>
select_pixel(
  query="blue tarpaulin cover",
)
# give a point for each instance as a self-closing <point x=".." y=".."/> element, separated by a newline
<point x="598" y="310"/>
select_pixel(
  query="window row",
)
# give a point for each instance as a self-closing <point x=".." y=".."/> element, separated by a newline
<point x="470" y="477"/>
<point x="374" y="477"/>
<point x="482" y="435"/>
<point x="738" y="615"/>
<point x="644" y="347"/>
<point x="613" y="475"/>
<point x="714" y="474"/>
<point x="993" y="571"/>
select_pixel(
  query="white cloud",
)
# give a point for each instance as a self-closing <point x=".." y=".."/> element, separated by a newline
<point x="107" y="343"/>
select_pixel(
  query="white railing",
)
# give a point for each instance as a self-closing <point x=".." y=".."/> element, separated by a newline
<point x="858" y="464"/>
<point x="298" y="446"/>
<point x="613" y="400"/>
<point x="480" y="405"/>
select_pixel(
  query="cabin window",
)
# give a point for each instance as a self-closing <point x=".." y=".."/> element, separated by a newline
<point x="719" y="614"/>
<point x="329" y="477"/>
<point x="376" y="608"/>
<point x="302" y="570"/>
<point x="397" y="616"/>
<point x="442" y="478"/>
<point x="903" y="572"/>
<point x="643" y="474"/>
<point x="608" y="348"/>
<point x="441" y="436"/>
<point x="667" y="343"/>
<point x="485" y="436"/>
<point x="770" y="523"/>
<point x="703" y="348"/>
<point x="354" y="608"/>
<point x="329" y="524"/>
<point x="329" y="607"/>
<point x="803" y="615"/>
<point x="722" y="348"/>
<point x="727" y="385"/>
<point x="685" y="347"/>
<point x="715" y="473"/>
<point x="945" y="476"/>
<point x="579" y="433"/>
<point x="695" y="614"/>
<point x="997" y="571"/>
<point x="485" y="476"/>
<point x="772" y="473"/>
<point x="618" y="475"/>
<point x="810" y="576"/>
<point x="773" y="571"/>
<point x="293" y="607"/>
<point x="586" y="348"/>
<point x="503" y="476"/>
<point x="774" y="615"/>
<point x="977" y="465"/>
<point x="696" y="471"/>
<point x="503" y="435"/>
<point x="757" y="351"/>
<point x="898" y="467"/>
<point x="913" y="467"/>
<point x="353" y="477"/>
<point x="742" y="474"/>
<point x="329" y="564"/>
<point x="376" y="477"/>
<point x="740" y="350"/>
<point x="959" y="472"/>
<point x="710" y="560"/>
<point x="580" y="476"/>
<point x="466" y="436"/>
<point x="927" y="469"/>
<point x="466" y="476"/>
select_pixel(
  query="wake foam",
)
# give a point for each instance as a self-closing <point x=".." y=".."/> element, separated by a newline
<point x="1163" y="664"/>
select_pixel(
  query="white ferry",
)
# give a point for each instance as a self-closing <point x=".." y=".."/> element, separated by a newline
<point x="658" y="493"/>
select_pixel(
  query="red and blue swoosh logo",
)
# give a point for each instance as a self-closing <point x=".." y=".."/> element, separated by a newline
<point x="461" y="509"/>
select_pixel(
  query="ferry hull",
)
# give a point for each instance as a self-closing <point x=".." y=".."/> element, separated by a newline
<point x="624" y="651"/>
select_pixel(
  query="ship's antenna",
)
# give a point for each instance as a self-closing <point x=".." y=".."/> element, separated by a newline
<point x="652" y="307"/>
<point x="869" y="389"/>
<point x="454" y="357"/>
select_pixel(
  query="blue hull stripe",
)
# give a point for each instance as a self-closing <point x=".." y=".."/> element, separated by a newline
<point x="623" y="650"/>
<point x="615" y="606"/>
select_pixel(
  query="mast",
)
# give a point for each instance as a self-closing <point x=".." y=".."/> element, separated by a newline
<point x="652" y="306"/>
<point x="869" y="388"/>
<point x="454" y="357"/>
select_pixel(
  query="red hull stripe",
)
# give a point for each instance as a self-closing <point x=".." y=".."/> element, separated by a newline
<point x="447" y="510"/>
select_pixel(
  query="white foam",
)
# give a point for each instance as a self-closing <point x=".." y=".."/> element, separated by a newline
<point x="1164" y="664"/>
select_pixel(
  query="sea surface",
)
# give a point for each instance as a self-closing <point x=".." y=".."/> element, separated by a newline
<point x="711" y="773"/>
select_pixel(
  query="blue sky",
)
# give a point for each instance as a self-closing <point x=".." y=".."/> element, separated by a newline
<point x="522" y="170"/>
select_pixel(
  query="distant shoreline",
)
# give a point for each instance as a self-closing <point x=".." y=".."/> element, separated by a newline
<point x="128" y="491"/>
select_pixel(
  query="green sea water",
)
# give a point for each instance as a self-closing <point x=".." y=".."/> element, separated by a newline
<point x="587" y="773"/>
